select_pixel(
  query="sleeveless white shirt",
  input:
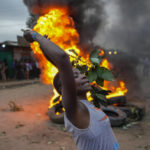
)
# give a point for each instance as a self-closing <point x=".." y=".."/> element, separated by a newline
<point x="99" y="134"/>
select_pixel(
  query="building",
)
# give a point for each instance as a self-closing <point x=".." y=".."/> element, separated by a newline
<point x="10" y="51"/>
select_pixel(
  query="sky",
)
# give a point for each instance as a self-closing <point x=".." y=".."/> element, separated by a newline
<point x="127" y="23"/>
<point x="13" y="16"/>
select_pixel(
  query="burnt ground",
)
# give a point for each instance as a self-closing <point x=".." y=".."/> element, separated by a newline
<point x="31" y="129"/>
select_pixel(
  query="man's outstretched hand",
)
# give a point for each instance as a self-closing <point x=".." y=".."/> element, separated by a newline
<point x="28" y="35"/>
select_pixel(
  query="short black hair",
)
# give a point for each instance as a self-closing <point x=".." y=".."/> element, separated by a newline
<point x="57" y="83"/>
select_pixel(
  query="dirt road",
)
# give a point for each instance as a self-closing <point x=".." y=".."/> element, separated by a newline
<point x="31" y="128"/>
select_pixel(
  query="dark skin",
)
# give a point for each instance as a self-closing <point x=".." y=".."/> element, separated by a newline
<point x="74" y="84"/>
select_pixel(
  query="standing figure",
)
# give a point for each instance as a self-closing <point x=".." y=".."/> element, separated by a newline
<point x="27" y="70"/>
<point x="0" y="69"/>
<point x="6" y="69"/>
<point x="14" y="67"/>
<point x="90" y="127"/>
<point x="3" y="71"/>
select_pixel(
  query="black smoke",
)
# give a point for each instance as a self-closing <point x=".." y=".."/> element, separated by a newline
<point x="127" y="30"/>
<point x="130" y="30"/>
<point x="88" y="16"/>
<point x="124" y="25"/>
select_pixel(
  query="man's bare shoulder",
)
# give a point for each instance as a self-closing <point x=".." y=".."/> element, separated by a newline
<point x="81" y="118"/>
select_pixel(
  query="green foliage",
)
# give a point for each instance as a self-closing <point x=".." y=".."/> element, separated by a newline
<point x="105" y="74"/>
<point x="92" y="75"/>
<point x="95" y="58"/>
<point x="95" y="73"/>
<point x="101" y="97"/>
<point x="100" y="81"/>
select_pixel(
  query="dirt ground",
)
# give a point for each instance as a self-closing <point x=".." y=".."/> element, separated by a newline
<point x="31" y="128"/>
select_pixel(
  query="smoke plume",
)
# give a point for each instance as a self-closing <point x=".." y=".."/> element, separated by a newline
<point x="88" y="16"/>
<point x="127" y="30"/>
<point x="112" y="24"/>
<point x="125" y="27"/>
<point x="128" y="26"/>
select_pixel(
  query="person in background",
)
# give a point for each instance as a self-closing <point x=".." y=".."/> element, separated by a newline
<point x="0" y="69"/>
<point x="3" y="71"/>
<point x="37" y="69"/>
<point x="14" y="67"/>
<point x="28" y="69"/>
<point x="6" y="69"/>
<point x="90" y="127"/>
<point x="21" y="70"/>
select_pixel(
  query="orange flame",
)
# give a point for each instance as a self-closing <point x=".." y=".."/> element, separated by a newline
<point x="117" y="88"/>
<point x="101" y="52"/>
<point x="105" y="64"/>
<point x="59" y="27"/>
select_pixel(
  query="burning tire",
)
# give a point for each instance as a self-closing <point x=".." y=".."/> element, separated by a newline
<point x="116" y="100"/>
<point x="133" y="111"/>
<point x="116" y="116"/>
<point x="53" y="114"/>
<point x="58" y="119"/>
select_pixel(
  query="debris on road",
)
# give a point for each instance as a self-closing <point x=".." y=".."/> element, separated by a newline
<point x="14" y="107"/>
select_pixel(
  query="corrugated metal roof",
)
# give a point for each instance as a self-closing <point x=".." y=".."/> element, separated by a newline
<point x="21" y="42"/>
<point x="10" y="43"/>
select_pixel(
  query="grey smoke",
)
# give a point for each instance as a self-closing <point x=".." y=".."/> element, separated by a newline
<point x="125" y="27"/>
<point x="88" y="16"/>
<point x="112" y="24"/>
<point x="128" y="26"/>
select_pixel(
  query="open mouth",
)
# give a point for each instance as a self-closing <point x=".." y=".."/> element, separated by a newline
<point x="85" y="83"/>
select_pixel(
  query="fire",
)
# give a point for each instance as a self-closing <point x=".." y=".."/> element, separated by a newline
<point x="117" y="88"/>
<point x="59" y="27"/>
<point x="101" y="52"/>
<point x="89" y="96"/>
<point x="52" y="103"/>
<point x="105" y="64"/>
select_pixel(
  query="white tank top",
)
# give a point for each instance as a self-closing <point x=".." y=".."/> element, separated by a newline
<point x="99" y="134"/>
